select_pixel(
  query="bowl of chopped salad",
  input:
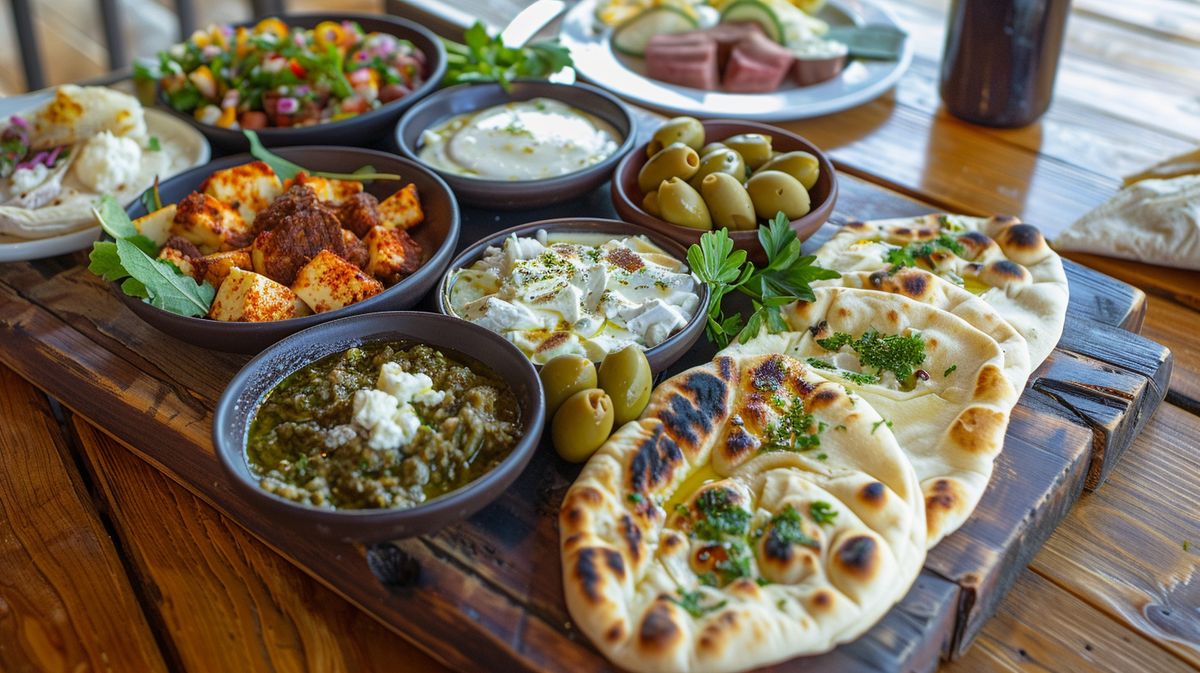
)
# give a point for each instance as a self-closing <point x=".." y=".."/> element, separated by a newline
<point x="301" y="79"/>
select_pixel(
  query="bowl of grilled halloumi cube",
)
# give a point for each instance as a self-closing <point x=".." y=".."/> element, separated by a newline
<point x="282" y="253"/>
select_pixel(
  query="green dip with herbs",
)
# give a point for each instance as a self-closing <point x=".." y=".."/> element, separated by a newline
<point x="365" y="428"/>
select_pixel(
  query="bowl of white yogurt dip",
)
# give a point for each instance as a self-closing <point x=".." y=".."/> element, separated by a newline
<point x="535" y="145"/>
<point x="581" y="286"/>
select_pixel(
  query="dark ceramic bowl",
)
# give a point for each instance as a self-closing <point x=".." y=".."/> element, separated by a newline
<point x="438" y="236"/>
<point x="627" y="197"/>
<point x="661" y="356"/>
<point x="245" y="392"/>
<point x="363" y="129"/>
<point x="518" y="194"/>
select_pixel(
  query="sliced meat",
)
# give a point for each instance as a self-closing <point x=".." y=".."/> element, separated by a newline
<point x="356" y="250"/>
<point x="412" y="252"/>
<point x="728" y="35"/>
<point x="359" y="213"/>
<point x="687" y="59"/>
<point x="184" y="246"/>
<point x="757" y="64"/>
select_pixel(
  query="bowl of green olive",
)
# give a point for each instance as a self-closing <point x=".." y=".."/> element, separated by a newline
<point x="697" y="176"/>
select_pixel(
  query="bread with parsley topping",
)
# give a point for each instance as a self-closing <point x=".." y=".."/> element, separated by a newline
<point x="754" y="513"/>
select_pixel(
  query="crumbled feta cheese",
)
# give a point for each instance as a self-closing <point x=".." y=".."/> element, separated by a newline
<point x="26" y="179"/>
<point x="107" y="162"/>
<point x="406" y="387"/>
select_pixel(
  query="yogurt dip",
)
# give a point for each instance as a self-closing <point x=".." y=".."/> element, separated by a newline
<point x="523" y="140"/>
<point x="577" y="293"/>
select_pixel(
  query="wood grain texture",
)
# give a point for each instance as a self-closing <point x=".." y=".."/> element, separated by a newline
<point x="1174" y="326"/>
<point x="227" y="602"/>
<point x="1041" y="628"/>
<point x="1121" y="549"/>
<point x="57" y="562"/>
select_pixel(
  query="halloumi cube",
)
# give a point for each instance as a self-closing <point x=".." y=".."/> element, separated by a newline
<point x="215" y="267"/>
<point x="402" y="210"/>
<point x="388" y="258"/>
<point x="327" y="189"/>
<point x="329" y="282"/>
<point x="246" y="296"/>
<point x="209" y="224"/>
<point x="248" y="188"/>
<point x="156" y="226"/>
<point x="179" y="259"/>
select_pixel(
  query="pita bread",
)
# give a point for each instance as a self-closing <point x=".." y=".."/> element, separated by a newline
<point x="1152" y="221"/>
<point x="693" y="542"/>
<point x="1006" y="261"/>
<point x="927" y="288"/>
<point x="78" y="113"/>
<point x="951" y="425"/>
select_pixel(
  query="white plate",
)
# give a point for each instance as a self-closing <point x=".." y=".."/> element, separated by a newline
<point x="861" y="81"/>
<point x="158" y="123"/>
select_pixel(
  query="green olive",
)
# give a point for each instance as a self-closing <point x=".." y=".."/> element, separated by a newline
<point x="686" y="130"/>
<point x="775" y="191"/>
<point x="673" y="161"/>
<point x="680" y="203"/>
<point x="728" y="202"/>
<point x="625" y="376"/>
<point x="650" y="203"/>
<point x="582" y="424"/>
<point x="565" y="375"/>
<point x="803" y="166"/>
<point x="719" y="161"/>
<point x="712" y="147"/>
<point x="755" y="148"/>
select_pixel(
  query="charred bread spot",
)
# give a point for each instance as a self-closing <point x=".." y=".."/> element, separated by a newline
<point x="633" y="537"/>
<point x="615" y="562"/>
<point x="744" y="587"/>
<point x="1024" y="237"/>
<point x="925" y="233"/>
<point x="724" y="367"/>
<point x="877" y="279"/>
<point x="572" y="541"/>
<point x="740" y="443"/>
<point x="824" y="397"/>
<point x="706" y="558"/>
<point x="755" y="408"/>
<point x="615" y="633"/>
<point x="776" y="549"/>
<point x="858" y="556"/>
<point x="843" y="312"/>
<point x="819" y="329"/>
<point x="588" y="574"/>
<point x="800" y="385"/>
<point x="821" y="600"/>
<point x="769" y="375"/>
<point x="574" y="515"/>
<point x="1003" y="269"/>
<point x="914" y="284"/>
<point x="590" y="495"/>
<point x="978" y="429"/>
<point x="658" y="632"/>
<point x="974" y="243"/>
<point x="707" y="404"/>
<point x="671" y="541"/>
<point x="855" y="224"/>
<point x="712" y="635"/>
<point x="902" y="232"/>
<point x="893" y="316"/>
<point x="654" y="463"/>
<point x="872" y="494"/>
<point x="941" y="499"/>
<point x="991" y="385"/>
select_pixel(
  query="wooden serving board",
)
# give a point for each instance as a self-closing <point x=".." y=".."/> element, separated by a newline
<point x="486" y="594"/>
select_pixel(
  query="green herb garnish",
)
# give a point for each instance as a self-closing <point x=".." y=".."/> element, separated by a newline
<point x="788" y="528"/>
<point x="720" y="516"/>
<point x="287" y="170"/>
<point x="635" y="498"/>
<point x="822" y="512"/>
<point x="898" y="354"/>
<point x="949" y="371"/>
<point x="858" y="377"/>
<point x="690" y="601"/>
<point x="130" y="260"/>
<point x="878" y="423"/>
<point x="909" y="254"/>
<point x="154" y="144"/>
<point x="783" y="280"/>
<point x="484" y="58"/>
<point x="735" y="565"/>
<point x="820" y="364"/>
<point x="797" y="430"/>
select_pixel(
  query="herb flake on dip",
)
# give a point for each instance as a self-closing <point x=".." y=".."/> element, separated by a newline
<point x="523" y="140"/>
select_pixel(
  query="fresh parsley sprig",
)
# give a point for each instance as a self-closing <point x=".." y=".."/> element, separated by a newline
<point x="130" y="259"/>
<point x="484" y="58"/>
<point x="786" y="278"/>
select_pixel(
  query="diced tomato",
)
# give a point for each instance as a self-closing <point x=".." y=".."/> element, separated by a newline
<point x="355" y="104"/>
<point x="297" y="69"/>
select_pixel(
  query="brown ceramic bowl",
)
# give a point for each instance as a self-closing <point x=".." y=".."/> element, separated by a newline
<point x="627" y="197"/>
<point x="438" y="236"/>
<point x="661" y="356"/>
<point x="363" y="129"/>
<point x="518" y="194"/>
<point x="242" y="397"/>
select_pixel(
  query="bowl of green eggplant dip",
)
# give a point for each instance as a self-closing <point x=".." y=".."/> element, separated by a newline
<point x="380" y="426"/>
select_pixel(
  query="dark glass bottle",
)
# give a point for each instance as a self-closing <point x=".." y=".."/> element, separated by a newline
<point x="1000" y="59"/>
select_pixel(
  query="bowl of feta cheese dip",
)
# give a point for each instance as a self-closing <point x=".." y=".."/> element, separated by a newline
<point x="580" y="286"/>
<point x="533" y="145"/>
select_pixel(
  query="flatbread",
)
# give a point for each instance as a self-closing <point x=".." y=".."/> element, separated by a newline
<point x="951" y="425"/>
<point x="77" y="113"/>
<point x="1008" y="262"/>
<point x="927" y="288"/>
<point x="637" y="549"/>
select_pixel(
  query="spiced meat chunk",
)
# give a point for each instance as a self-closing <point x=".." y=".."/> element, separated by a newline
<point x="359" y="213"/>
<point x="294" y="228"/>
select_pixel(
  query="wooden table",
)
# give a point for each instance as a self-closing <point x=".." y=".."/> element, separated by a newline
<point x="105" y="564"/>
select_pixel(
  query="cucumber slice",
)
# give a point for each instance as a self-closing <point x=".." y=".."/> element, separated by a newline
<point x="755" y="11"/>
<point x="632" y="36"/>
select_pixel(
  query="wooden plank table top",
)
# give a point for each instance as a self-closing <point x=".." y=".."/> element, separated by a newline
<point x="106" y="564"/>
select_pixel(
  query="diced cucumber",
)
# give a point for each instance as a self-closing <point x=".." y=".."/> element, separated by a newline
<point x="632" y="36"/>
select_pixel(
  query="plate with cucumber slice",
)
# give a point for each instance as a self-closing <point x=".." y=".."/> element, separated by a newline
<point x="764" y="60"/>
